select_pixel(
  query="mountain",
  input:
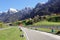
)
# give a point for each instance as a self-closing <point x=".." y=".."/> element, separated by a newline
<point x="5" y="16"/>
<point x="24" y="13"/>
<point x="12" y="15"/>
<point x="52" y="6"/>
<point x="12" y="10"/>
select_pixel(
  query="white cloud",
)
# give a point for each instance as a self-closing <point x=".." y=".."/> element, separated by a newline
<point x="0" y="11"/>
<point x="43" y="2"/>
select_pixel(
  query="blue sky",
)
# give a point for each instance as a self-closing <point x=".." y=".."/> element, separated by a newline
<point x="18" y="4"/>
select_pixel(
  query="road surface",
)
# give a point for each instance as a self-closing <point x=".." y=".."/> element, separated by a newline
<point x="38" y="35"/>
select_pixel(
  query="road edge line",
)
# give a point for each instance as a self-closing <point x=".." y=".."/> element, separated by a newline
<point x="25" y="34"/>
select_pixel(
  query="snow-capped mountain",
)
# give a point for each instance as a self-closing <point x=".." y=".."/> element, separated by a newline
<point x="12" y="14"/>
<point x="12" y="10"/>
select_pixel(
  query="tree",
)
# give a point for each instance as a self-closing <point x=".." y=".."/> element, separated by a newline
<point x="36" y="18"/>
<point x="29" y="22"/>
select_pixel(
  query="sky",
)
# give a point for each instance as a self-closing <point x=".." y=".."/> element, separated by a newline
<point x="18" y="4"/>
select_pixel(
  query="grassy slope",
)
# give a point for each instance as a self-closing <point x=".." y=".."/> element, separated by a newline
<point x="47" y="30"/>
<point x="46" y="23"/>
<point x="11" y="34"/>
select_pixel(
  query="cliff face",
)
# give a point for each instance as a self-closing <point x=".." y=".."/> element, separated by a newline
<point x="52" y="6"/>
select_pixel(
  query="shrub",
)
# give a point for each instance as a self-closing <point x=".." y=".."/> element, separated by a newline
<point x="58" y="32"/>
<point x="54" y="19"/>
<point x="29" y="22"/>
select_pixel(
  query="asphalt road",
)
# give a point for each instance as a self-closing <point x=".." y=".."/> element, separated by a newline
<point x="38" y="35"/>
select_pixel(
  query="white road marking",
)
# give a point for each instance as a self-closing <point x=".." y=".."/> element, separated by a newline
<point x="25" y="34"/>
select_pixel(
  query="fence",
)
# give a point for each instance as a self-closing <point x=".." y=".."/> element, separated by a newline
<point x="44" y="26"/>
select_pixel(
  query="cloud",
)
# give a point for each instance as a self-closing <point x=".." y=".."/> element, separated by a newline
<point x="0" y="11"/>
<point x="43" y="2"/>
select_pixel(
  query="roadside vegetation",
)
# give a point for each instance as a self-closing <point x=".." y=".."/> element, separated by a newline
<point x="42" y="20"/>
<point x="48" y="30"/>
<point x="46" y="23"/>
<point x="11" y="34"/>
<point x="3" y="25"/>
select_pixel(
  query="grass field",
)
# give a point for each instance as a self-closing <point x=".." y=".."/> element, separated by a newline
<point x="46" y="23"/>
<point x="11" y="34"/>
<point x="47" y="30"/>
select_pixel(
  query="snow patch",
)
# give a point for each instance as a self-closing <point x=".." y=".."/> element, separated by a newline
<point x="13" y="10"/>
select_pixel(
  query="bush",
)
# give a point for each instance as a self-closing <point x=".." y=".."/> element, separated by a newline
<point x="54" y="19"/>
<point x="24" y="22"/>
<point x="58" y="33"/>
<point x="29" y="22"/>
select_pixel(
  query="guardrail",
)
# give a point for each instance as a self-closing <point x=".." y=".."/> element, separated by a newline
<point x="44" y="26"/>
